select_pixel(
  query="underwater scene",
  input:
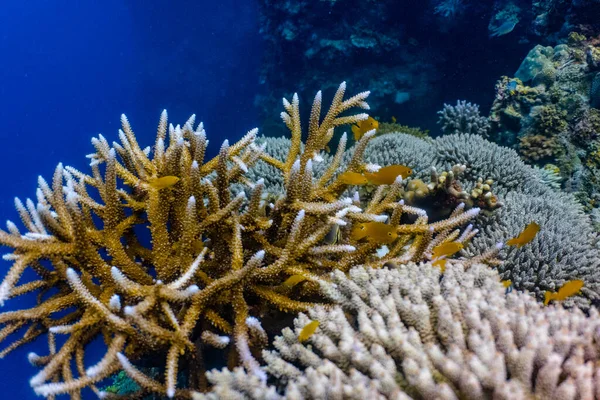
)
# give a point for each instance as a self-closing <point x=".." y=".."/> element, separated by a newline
<point x="300" y="199"/>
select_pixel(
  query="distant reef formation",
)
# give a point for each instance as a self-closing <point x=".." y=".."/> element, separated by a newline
<point x="317" y="44"/>
<point x="408" y="53"/>
<point x="549" y="113"/>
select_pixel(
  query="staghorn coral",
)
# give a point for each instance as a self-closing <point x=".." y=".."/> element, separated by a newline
<point x="217" y="264"/>
<point x="405" y="333"/>
<point x="463" y="118"/>
<point x="399" y="148"/>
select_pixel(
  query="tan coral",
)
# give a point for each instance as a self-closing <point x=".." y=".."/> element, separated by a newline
<point x="216" y="264"/>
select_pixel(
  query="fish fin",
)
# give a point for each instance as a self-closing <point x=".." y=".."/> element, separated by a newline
<point x="547" y="297"/>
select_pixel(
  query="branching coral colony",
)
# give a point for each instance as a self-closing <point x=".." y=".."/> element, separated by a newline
<point x="216" y="264"/>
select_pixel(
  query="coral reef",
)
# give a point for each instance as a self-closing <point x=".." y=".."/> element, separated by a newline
<point x="566" y="248"/>
<point x="444" y="192"/>
<point x="405" y="333"/>
<point x="535" y="148"/>
<point x="548" y="113"/>
<point x="553" y="19"/>
<point x="216" y="270"/>
<point x="316" y="44"/>
<point x="550" y="175"/>
<point x="462" y="118"/>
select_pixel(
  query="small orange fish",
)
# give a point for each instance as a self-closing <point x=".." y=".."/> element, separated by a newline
<point x="507" y="283"/>
<point x="442" y="251"/>
<point x="293" y="280"/>
<point x="352" y="178"/>
<point x="363" y="127"/>
<point x="567" y="290"/>
<point x="308" y="331"/>
<point x="446" y="249"/>
<point x="393" y="119"/>
<point x="440" y="263"/>
<point x="387" y="175"/>
<point x="377" y="232"/>
<point x="163" y="182"/>
<point x="526" y="236"/>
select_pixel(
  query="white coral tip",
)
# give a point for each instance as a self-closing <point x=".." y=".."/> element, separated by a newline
<point x="32" y="357"/>
<point x="115" y="303"/>
<point x="192" y="289"/>
<point x="129" y="310"/>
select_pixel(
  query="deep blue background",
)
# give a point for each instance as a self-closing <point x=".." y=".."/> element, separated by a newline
<point x="69" y="69"/>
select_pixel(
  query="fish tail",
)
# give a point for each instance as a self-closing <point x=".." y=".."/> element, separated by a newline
<point x="547" y="297"/>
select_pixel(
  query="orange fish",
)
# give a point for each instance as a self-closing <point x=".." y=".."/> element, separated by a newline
<point x="387" y="175"/>
<point x="442" y="251"/>
<point x="363" y="127"/>
<point x="446" y="249"/>
<point x="293" y="280"/>
<point x="526" y="236"/>
<point x="352" y="178"/>
<point x="567" y="290"/>
<point x="440" y="263"/>
<point x="163" y="182"/>
<point x="377" y="232"/>
<point x="308" y="331"/>
<point x="507" y="283"/>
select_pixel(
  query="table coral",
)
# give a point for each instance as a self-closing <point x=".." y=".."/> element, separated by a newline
<point x="406" y="333"/>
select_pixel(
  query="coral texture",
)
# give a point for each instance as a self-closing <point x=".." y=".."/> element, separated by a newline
<point x="462" y="118"/>
<point x="567" y="246"/>
<point x="405" y="333"/>
<point x="216" y="266"/>
<point x="547" y="113"/>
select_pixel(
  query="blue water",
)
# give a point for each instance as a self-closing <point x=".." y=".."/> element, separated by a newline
<point x="69" y="69"/>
